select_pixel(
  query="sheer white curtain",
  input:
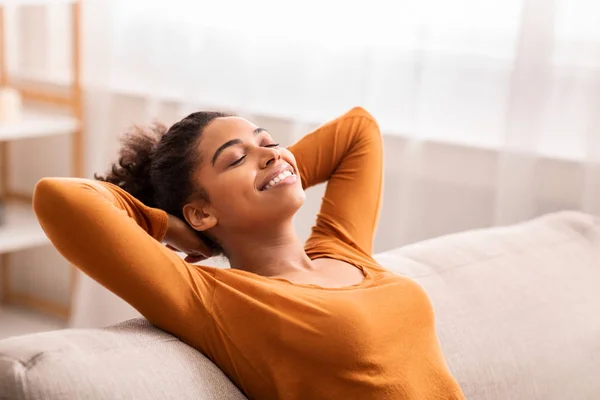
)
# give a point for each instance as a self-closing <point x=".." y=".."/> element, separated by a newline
<point x="517" y="73"/>
<point x="517" y="81"/>
<point x="489" y="109"/>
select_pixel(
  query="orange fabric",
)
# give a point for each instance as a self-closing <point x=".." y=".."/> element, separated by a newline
<point x="273" y="338"/>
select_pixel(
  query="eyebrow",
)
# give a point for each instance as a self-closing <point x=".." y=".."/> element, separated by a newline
<point x="232" y="142"/>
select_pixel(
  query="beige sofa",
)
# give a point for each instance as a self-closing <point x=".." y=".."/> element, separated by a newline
<point x="518" y="316"/>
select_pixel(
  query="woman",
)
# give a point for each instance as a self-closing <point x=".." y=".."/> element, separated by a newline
<point x="320" y="320"/>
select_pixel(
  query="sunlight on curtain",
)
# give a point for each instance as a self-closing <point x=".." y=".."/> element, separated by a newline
<point x="518" y="73"/>
<point x="440" y="70"/>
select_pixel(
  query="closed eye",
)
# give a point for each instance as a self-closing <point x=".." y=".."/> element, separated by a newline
<point x="236" y="162"/>
<point x="239" y="160"/>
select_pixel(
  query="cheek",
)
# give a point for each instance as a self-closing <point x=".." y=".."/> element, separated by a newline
<point x="233" y="193"/>
<point x="289" y="157"/>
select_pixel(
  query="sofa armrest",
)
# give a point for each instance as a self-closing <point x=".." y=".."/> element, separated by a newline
<point x="132" y="360"/>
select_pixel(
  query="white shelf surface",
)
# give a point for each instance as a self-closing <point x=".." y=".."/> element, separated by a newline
<point x="34" y="2"/>
<point x="37" y="124"/>
<point x="17" y="321"/>
<point x="20" y="229"/>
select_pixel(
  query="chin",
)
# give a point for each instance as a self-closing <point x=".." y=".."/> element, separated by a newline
<point x="300" y="197"/>
<point x="286" y="202"/>
<point x="293" y="200"/>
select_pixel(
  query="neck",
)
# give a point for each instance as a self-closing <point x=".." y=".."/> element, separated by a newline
<point x="273" y="253"/>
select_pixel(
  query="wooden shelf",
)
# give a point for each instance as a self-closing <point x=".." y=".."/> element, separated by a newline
<point x="20" y="229"/>
<point x="37" y="124"/>
<point x="18" y="321"/>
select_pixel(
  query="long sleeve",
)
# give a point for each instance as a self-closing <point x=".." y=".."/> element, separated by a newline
<point x="115" y="239"/>
<point x="347" y="153"/>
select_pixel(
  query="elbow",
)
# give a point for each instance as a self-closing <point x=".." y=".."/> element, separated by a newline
<point x="46" y="196"/>
<point x="53" y="205"/>
<point x="360" y="111"/>
<point x="42" y="192"/>
<point x="369" y="128"/>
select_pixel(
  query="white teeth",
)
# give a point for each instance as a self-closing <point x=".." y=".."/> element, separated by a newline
<point x="278" y="179"/>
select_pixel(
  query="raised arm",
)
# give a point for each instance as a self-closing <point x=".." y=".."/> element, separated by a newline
<point x="115" y="239"/>
<point x="347" y="153"/>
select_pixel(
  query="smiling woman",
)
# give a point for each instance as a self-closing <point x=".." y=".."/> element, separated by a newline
<point x="231" y="201"/>
<point x="288" y="320"/>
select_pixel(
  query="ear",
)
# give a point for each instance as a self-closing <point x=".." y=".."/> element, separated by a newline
<point x="199" y="217"/>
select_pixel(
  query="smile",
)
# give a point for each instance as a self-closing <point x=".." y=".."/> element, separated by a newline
<point x="281" y="174"/>
<point x="284" y="177"/>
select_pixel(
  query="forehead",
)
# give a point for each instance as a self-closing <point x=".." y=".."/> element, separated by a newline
<point x="224" y="129"/>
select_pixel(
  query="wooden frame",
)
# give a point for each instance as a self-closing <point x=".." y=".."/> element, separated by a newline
<point x="74" y="103"/>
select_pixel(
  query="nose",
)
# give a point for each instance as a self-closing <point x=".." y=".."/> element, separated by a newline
<point x="269" y="156"/>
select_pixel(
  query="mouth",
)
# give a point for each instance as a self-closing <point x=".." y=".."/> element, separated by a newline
<point x="284" y="174"/>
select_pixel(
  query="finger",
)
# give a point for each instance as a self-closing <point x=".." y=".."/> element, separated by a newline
<point x="194" y="259"/>
<point x="173" y="248"/>
<point x="204" y="250"/>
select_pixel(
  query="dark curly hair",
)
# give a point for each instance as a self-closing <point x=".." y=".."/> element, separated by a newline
<point x="155" y="165"/>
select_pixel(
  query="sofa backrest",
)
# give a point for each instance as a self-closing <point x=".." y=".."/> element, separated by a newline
<point x="517" y="308"/>
<point x="517" y="311"/>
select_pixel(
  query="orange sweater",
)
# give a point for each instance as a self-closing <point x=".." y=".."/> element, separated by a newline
<point x="273" y="338"/>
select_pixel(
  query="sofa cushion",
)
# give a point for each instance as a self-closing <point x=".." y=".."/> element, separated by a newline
<point x="517" y="308"/>
<point x="132" y="360"/>
<point x="517" y="312"/>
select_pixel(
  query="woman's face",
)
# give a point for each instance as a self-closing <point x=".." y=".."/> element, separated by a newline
<point x="250" y="180"/>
